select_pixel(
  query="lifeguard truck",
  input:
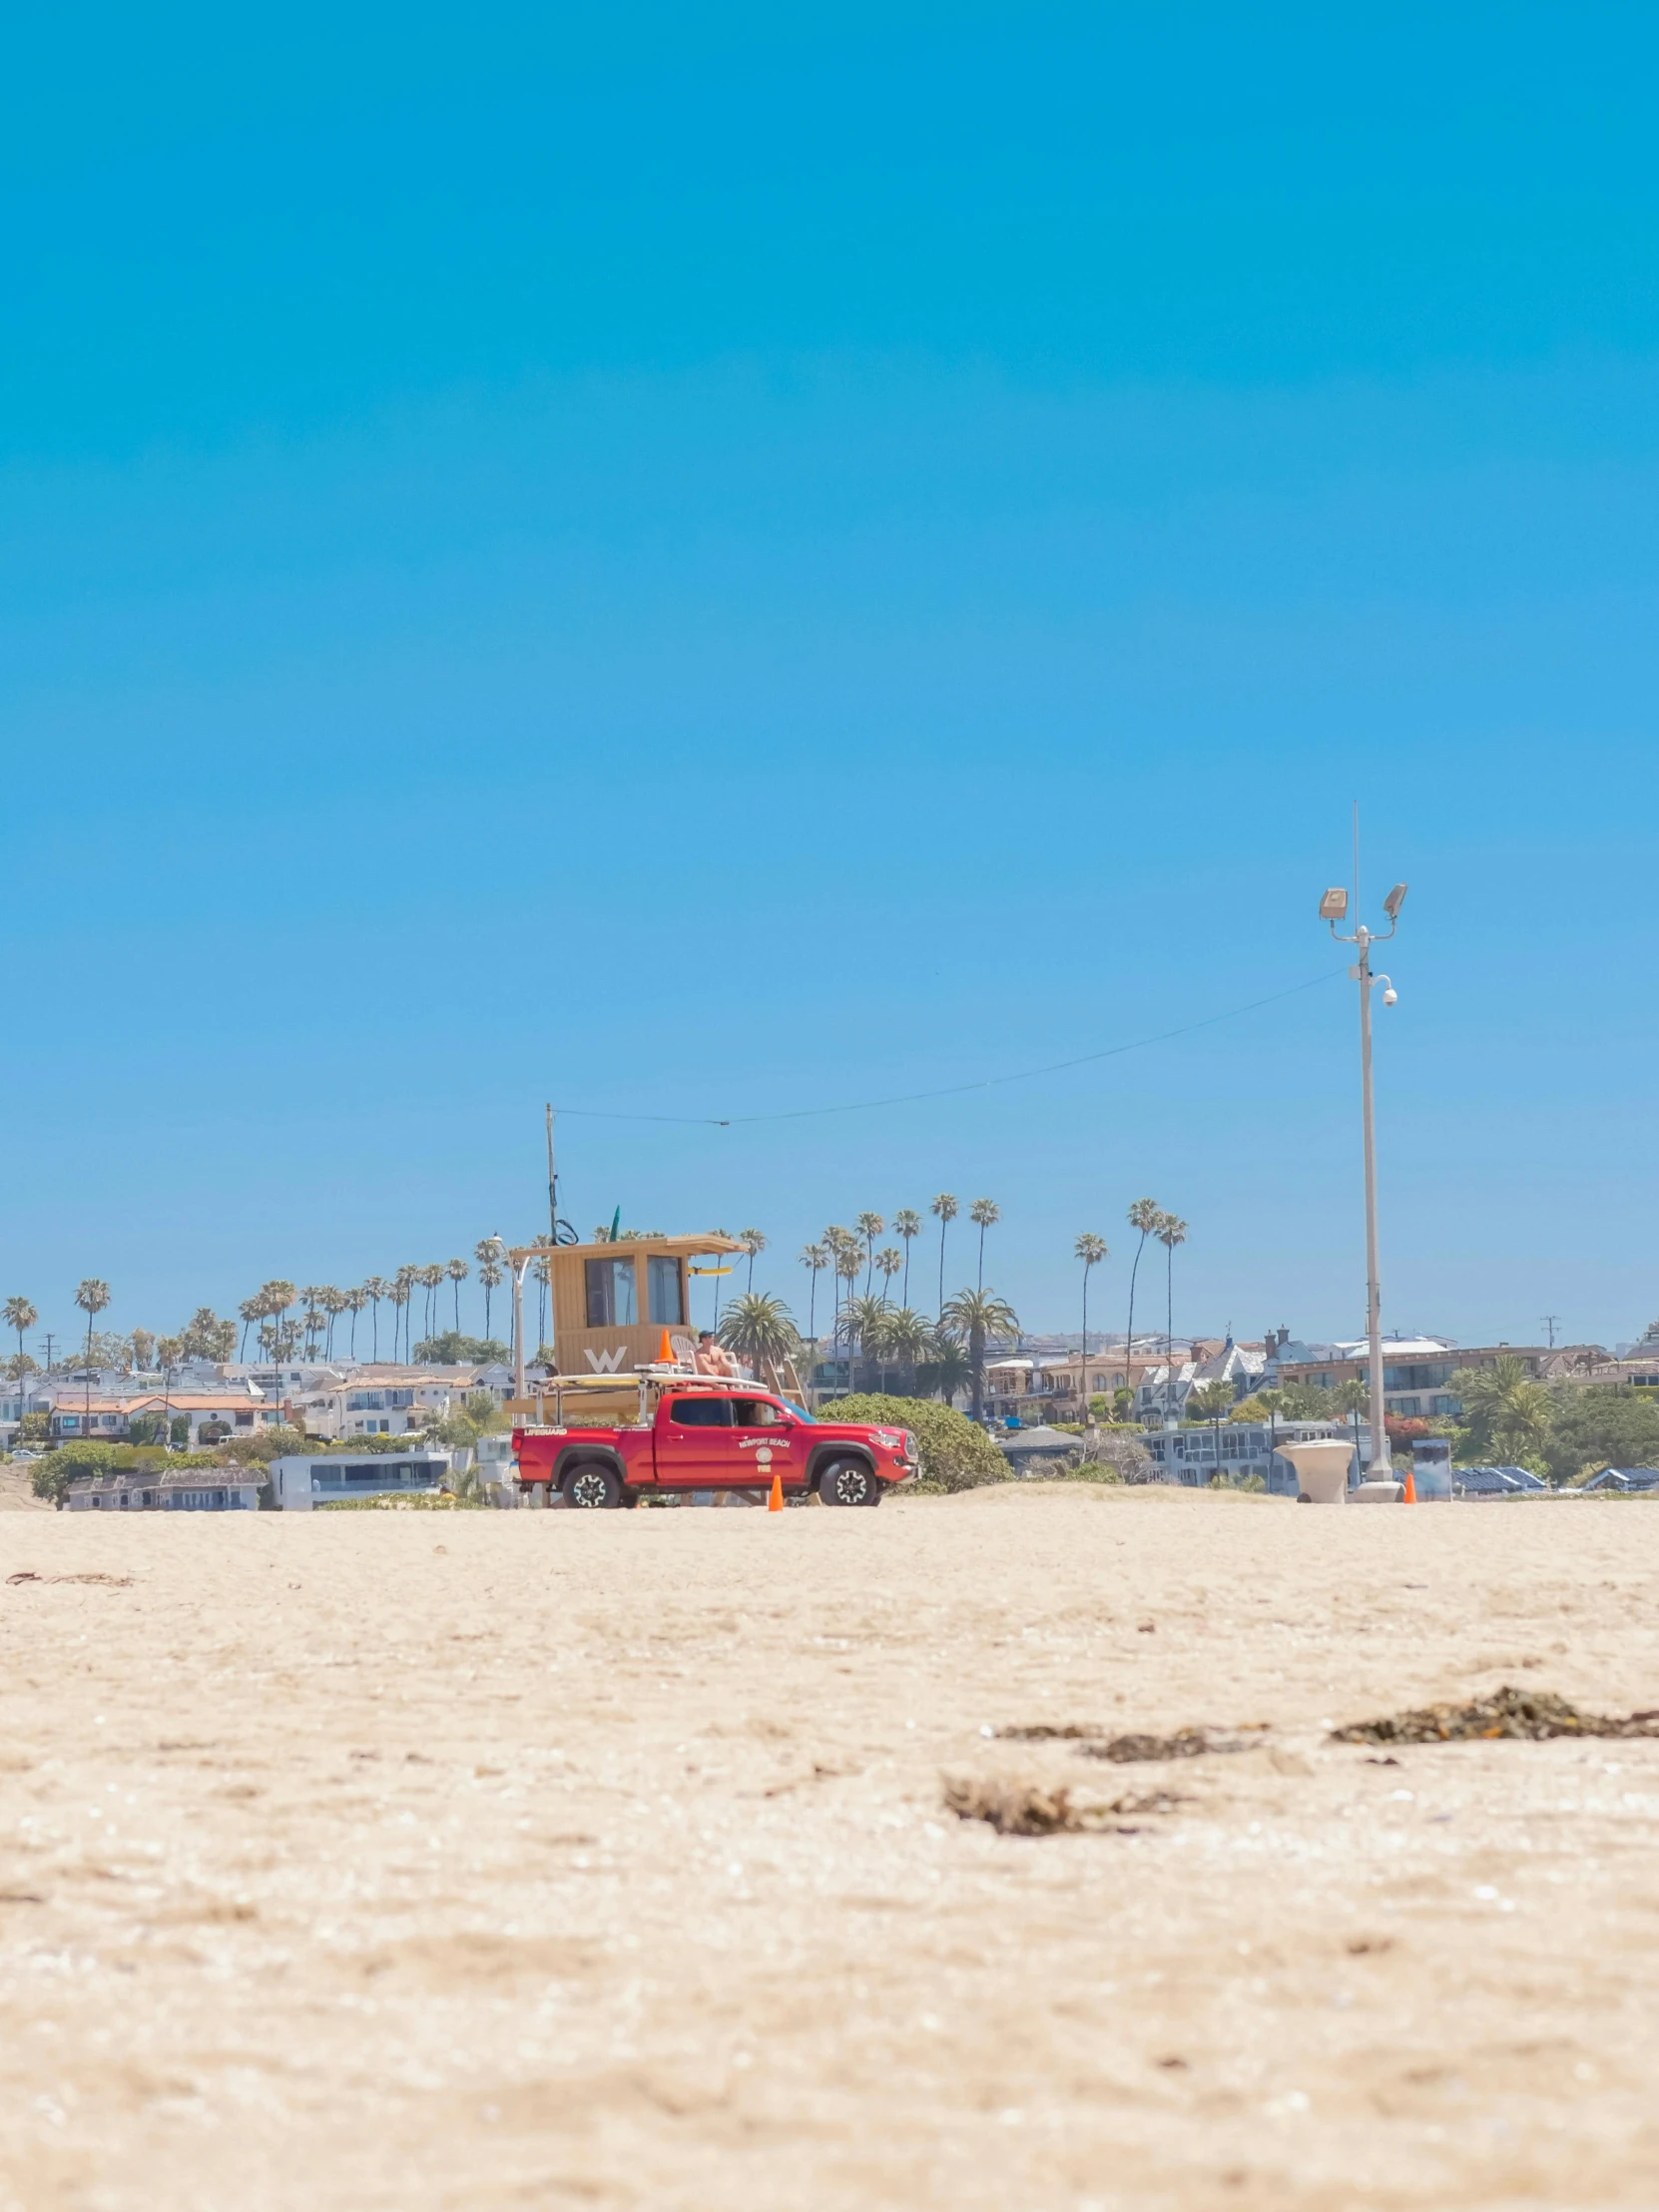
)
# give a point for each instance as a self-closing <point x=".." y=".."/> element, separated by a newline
<point x="603" y="1442"/>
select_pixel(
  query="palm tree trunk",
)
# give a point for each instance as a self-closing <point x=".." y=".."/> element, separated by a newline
<point x="1169" y="1332"/>
<point x="981" y="1256"/>
<point x="1128" y="1338"/>
<point x="907" y="1292"/>
<point x="943" y="1225"/>
<point x="976" y="1352"/>
<point x="486" y="1311"/>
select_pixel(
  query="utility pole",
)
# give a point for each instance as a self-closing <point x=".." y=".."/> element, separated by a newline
<point x="1551" y="1322"/>
<point x="1334" y="908"/>
<point x="551" y="1186"/>
<point x="50" y="1342"/>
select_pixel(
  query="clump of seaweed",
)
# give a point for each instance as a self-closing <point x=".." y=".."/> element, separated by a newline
<point x="1532" y="1714"/>
<point x="1025" y="1808"/>
<point x="1094" y="1743"/>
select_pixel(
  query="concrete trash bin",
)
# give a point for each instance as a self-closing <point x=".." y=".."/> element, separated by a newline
<point x="1321" y="1469"/>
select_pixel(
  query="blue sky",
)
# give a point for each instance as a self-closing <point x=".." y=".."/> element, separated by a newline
<point x="722" y="561"/>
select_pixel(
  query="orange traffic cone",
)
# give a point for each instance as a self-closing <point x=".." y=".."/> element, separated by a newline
<point x="665" y="1351"/>
<point x="774" y="1503"/>
<point x="1411" y="1496"/>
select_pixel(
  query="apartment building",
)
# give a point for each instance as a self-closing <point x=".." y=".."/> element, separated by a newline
<point x="1419" y="1372"/>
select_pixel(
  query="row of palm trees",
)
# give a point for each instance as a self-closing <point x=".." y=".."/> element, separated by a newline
<point x="282" y="1333"/>
<point x="849" y="1252"/>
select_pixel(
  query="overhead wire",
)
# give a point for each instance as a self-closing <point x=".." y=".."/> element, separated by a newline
<point x="956" y="1090"/>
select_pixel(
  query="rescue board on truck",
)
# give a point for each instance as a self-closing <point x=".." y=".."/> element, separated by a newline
<point x="616" y="1440"/>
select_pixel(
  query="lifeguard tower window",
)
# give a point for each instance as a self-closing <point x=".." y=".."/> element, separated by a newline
<point x="663" y="1291"/>
<point x="702" y="1413"/>
<point x="612" y="1299"/>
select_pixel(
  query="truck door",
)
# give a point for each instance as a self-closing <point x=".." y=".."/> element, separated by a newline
<point x="766" y="1442"/>
<point x="694" y="1442"/>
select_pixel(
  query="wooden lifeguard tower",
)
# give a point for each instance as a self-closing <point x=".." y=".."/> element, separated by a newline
<point x="612" y="1302"/>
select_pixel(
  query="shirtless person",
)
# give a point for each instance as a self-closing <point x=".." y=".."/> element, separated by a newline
<point x="713" y="1357"/>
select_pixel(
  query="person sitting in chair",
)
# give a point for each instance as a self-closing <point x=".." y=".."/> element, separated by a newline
<point x="713" y="1357"/>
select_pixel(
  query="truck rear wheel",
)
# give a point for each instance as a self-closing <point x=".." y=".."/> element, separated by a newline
<point x="592" y="1486"/>
<point x="849" y="1482"/>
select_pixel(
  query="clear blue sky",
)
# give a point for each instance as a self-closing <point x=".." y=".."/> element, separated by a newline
<point x="721" y="559"/>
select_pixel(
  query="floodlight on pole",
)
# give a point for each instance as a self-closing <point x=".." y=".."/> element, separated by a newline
<point x="1334" y="908"/>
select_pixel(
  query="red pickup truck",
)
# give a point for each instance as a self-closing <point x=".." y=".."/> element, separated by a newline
<point x="703" y="1435"/>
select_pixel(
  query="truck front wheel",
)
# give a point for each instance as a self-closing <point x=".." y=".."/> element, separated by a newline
<point x="592" y="1486"/>
<point x="849" y="1482"/>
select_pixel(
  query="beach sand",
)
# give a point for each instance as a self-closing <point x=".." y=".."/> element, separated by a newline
<point x="480" y="1861"/>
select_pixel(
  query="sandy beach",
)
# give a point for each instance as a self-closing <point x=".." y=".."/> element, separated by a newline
<point x="484" y="1860"/>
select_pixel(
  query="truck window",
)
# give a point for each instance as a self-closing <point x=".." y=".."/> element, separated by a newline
<point x="758" y="1412"/>
<point x="613" y="1299"/>
<point x="662" y="1282"/>
<point x="701" y="1413"/>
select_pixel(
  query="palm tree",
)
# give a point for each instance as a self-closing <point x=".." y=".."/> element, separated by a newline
<point x="1169" y="1232"/>
<point x="869" y="1227"/>
<point x="977" y="1315"/>
<point x="1271" y="1404"/>
<point x="1145" y="1215"/>
<point x="21" y="1316"/>
<point x="907" y="1223"/>
<point x="376" y="1289"/>
<point x="945" y="1211"/>
<point x="398" y="1296"/>
<point x="1091" y="1250"/>
<point x="1353" y="1399"/>
<point x="946" y="1368"/>
<point x="92" y="1297"/>
<point x="759" y="1328"/>
<point x="753" y="1241"/>
<point x="1507" y="1402"/>
<point x="542" y="1277"/>
<point x="251" y="1310"/>
<point x="489" y="1278"/>
<point x="849" y="1259"/>
<point x="356" y="1301"/>
<point x="900" y="1336"/>
<point x="986" y="1213"/>
<point x="433" y="1278"/>
<point x="311" y="1300"/>
<point x="816" y="1257"/>
<point x="275" y="1297"/>
<point x="1212" y="1402"/>
<point x="458" y="1272"/>
<point x="888" y="1261"/>
<point x="860" y="1321"/>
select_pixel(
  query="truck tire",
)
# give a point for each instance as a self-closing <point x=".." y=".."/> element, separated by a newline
<point x="591" y="1485"/>
<point x="849" y="1482"/>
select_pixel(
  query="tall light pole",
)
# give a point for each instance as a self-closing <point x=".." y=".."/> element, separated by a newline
<point x="1334" y="908"/>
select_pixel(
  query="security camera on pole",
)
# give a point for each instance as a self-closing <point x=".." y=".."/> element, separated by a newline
<point x="1379" y="1485"/>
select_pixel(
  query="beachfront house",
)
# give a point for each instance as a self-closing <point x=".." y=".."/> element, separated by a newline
<point x="301" y="1482"/>
<point x="154" y="1490"/>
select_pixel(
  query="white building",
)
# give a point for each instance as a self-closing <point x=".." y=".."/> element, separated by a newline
<point x="1191" y="1456"/>
<point x="1164" y="1391"/>
<point x="389" y="1401"/>
<point x="197" y="1490"/>
<point x="304" y="1480"/>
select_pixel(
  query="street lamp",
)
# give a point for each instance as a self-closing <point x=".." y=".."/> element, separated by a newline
<point x="1334" y="908"/>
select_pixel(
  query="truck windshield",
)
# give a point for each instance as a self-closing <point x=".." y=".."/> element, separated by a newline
<point x="800" y="1412"/>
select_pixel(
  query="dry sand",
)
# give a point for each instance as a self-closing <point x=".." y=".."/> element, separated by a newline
<point x="541" y="1859"/>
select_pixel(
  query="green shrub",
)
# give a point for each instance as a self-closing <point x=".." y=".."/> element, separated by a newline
<point x="955" y="1455"/>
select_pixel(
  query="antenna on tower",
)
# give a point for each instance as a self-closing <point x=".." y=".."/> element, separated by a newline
<point x="1551" y="1322"/>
